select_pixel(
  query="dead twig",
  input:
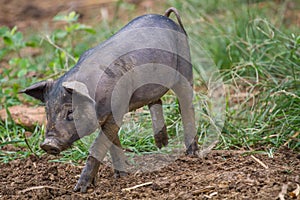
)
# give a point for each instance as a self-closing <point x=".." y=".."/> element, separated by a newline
<point x="211" y="195"/>
<point x="40" y="187"/>
<point x="48" y="39"/>
<point x="259" y="162"/>
<point x="47" y="187"/>
<point x="283" y="192"/>
<point x="270" y="136"/>
<point x="291" y="138"/>
<point x="28" y="145"/>
<point x="137" y="186"/>
<point x="203" y="190"/>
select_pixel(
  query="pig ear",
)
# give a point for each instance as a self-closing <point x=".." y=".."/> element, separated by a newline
<point x="76" y="87"/>
<point x="38" y="90"/>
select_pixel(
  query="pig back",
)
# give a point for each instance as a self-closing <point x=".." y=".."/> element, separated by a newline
<point x="142" y="61"/>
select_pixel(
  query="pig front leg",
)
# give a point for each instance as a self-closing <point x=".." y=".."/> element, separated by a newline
<point x="98" y="151"/>
<point x="88" y="175"/>
<point x="107" y="140"/>
<point x="158" y="124"/>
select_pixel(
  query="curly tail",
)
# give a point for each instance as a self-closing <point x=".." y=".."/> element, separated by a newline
<point x="174" y="10"/>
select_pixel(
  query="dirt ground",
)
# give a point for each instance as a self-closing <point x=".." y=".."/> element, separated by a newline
<point x="38" y="15"/>
<point x="220" y="175"/>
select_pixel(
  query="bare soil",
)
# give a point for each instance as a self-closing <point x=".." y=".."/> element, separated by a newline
<point x="220" y="175"/>
<point x="38" y="15"/>
<point x="24" y="115"/>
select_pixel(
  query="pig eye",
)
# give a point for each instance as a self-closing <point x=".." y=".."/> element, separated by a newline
<point x="70" y="115"/>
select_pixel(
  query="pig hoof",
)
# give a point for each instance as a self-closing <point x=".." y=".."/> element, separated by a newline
<point x="119" y="174"/>
<point x="192" y="149"/>
<point x="161" y="138"/>
<point x="83" y="184"/>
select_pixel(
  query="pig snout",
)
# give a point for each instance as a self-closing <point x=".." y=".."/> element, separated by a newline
<point x="51" y="146"/>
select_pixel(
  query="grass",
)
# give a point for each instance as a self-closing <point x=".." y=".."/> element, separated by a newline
<point x="257" y="53"/>
<point x="258" y="57"/>
<point x="16" y="143"/>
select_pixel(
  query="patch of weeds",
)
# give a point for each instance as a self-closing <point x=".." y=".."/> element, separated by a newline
<point x="17" y="142"/>
<point x="259" y="57"/>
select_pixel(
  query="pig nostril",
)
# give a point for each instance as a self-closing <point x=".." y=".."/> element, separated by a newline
<point x="51" y="147"/>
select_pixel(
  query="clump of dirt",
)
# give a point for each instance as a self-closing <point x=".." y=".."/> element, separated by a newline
<point x="24" y="115"/>
<point x="220" y="175"/>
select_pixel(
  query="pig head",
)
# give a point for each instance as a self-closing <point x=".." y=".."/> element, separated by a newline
<point x="70" y="115"/>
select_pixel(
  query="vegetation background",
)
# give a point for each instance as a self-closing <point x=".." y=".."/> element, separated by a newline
<point x="254" y="43"/>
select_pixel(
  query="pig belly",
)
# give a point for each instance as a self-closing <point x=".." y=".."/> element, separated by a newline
<point x="146" y="94"/>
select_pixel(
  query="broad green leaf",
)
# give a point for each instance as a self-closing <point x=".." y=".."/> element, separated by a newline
<point x="3" y="31"/>
<point x="8" y="41"/>
<point x="59" y="34"/>
<point x="22" y="73"/>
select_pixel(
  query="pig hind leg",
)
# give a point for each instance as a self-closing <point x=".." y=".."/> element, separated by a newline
<point x="111" y="130"/>
<point x="158" y="124"/>
<point x="118" y="159"/>
<point x="184" y="92"/>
